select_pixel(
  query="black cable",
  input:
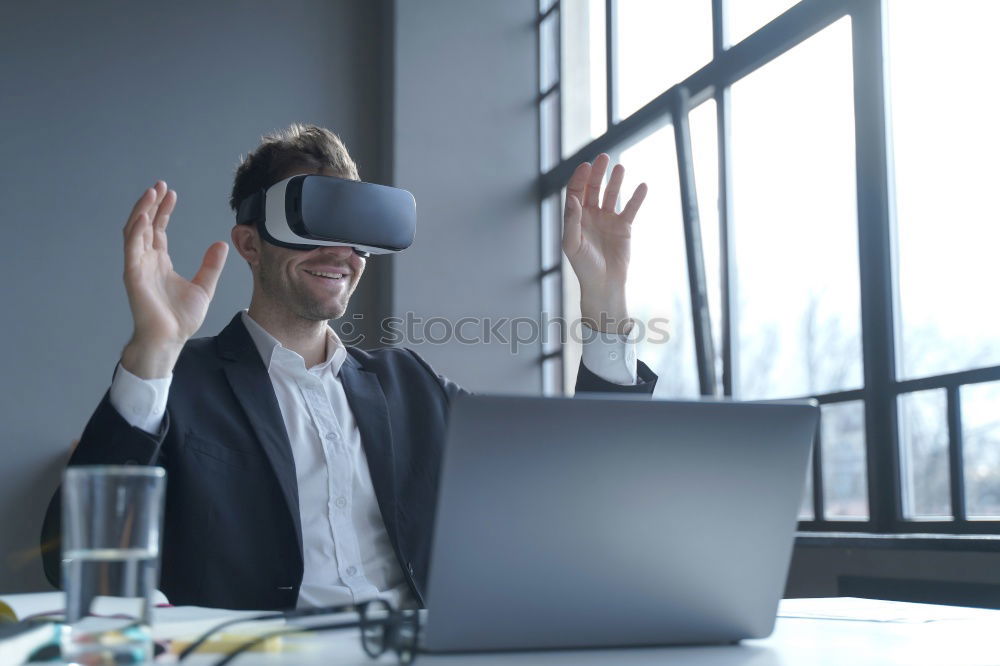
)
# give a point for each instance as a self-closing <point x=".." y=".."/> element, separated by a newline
<point x="183" y="654"/>
<point x="287" y="615"/>
<point x="281" y="632"/>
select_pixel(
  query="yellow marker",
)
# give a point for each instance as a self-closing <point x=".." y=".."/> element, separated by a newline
<point x="224" y="643"/>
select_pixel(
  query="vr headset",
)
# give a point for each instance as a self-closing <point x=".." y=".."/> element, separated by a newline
<point x="310" y="211"/>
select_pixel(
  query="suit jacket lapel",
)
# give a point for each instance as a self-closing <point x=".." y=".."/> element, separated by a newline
<point x="252" y="386"/>
<point x="367" y="400"/>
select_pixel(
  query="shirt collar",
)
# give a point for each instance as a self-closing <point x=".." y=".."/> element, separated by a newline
<point x="272" y="352"/>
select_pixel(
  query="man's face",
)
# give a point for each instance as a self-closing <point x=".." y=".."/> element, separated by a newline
<point x="312" y="284"/>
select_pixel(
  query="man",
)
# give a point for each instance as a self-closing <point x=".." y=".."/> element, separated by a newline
<point x="301" y="472"/>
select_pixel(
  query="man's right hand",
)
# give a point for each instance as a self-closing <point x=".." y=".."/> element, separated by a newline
<point x="166" y="308"/>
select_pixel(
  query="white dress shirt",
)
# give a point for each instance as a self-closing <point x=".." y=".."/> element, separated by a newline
<point x="348" y="557"/>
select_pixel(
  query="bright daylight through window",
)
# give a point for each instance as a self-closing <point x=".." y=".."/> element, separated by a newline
<point x="841" y="213"/>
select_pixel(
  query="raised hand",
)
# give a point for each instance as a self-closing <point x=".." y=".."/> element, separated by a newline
<point x="166" y="308"/>
<point x="597" y="241"/>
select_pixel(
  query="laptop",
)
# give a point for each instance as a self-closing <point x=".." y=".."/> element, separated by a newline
<point x="603" y="521"/>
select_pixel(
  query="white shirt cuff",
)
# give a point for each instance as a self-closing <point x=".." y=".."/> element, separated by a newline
<point x="141" y="402"/>
<point x="611" y="356"/>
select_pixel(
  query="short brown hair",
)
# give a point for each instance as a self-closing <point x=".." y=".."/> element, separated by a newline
<point x="281" y="154"/>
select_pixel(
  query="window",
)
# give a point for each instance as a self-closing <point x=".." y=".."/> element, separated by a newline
<point x="981" y="447"/>
<point x="924" y="442"/>
<point x="657" y="286"/>
<point x="747" y="16"/>
<point x="676" y="36"/>
<point x="947" y="232"/>
<point x="584" y="58"/>
<point x="946" y="174"/>
<point x="794" y="223"/>
<point x="817" y="226"/>
<point x="842" y="447"/>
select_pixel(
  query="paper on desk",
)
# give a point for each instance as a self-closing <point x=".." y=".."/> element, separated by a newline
<point x="19" y="606"/>
<point x="191" y="621"/>
<point x="875" y="610"/>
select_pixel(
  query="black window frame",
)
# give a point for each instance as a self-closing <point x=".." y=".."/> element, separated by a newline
<point x="876" y="229"/>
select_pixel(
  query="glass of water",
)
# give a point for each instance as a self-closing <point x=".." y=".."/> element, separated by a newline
<point x="112" y="518"/>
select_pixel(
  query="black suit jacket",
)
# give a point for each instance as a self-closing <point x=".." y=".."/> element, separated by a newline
<point x="232" y="535"/>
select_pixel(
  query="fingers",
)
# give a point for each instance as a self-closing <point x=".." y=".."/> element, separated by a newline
<point x="140" y="207"/>
<point x="573" y="211"/>
<point x="147" y="203"/>
<point x="614" y="186"/>
<point x="211" y="267"/>
<point x="632" y="207"/>
<point x="134" y="241"/>
<point x="578" y="182"/>
<point x="162" y="218"/>
<point x="572" y="236"/>
<point x="584" y="188"/>
<point x="592" y="194"/>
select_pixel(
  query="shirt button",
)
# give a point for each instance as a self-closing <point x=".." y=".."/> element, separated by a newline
<point x="341" y="502"/>
<point x="331" y="436"/>
<point x="352" y="570"/>
<point x="613" y="356"/>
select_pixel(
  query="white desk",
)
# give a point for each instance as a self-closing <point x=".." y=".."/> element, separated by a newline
<point x="917" y="635"/>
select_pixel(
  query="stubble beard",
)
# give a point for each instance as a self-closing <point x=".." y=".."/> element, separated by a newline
<point x="296" y="299"/>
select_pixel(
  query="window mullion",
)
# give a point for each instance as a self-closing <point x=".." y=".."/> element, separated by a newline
<point x="955" y="456"/>
<point x="876" y="265"/>
<point x="611" y="79"/>
<point x="819" y="505"/>
<point x="719" y="36"/>
<point x="726" y="258"/>
<point x="728" y="286"/>
<point x="692" y="240"/>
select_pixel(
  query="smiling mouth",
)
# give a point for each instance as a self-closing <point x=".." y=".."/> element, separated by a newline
<point x="328" y="276"/>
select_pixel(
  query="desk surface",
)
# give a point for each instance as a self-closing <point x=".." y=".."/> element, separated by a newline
<point x="814" y="632"/>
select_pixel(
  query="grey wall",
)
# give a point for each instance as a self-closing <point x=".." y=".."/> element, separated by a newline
<point x="99" y="99"/>
<point x="466" y="145"/>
